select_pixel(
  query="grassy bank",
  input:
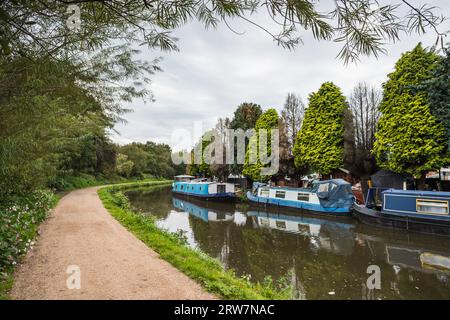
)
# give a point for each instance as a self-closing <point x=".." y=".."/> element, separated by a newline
<point x="20" y="218"/>
<point x="194" y="263"/>
<point x="82" y="180"/>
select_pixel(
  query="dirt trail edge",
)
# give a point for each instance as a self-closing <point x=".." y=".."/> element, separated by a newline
<point x="113" y="264"/>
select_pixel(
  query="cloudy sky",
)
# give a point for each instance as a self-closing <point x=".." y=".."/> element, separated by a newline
<point x="216" y="70"/>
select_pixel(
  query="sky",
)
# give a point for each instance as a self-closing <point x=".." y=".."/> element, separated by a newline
<point x="216" y="70"/>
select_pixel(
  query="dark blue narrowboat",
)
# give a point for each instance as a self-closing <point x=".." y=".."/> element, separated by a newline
<point x="420" y="211"/>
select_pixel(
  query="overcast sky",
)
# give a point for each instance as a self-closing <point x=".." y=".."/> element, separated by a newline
<point x="216" y="70"/>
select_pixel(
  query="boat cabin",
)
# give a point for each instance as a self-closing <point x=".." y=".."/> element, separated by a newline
<point x="183" y="178"/>
<point x="416" y="203"/>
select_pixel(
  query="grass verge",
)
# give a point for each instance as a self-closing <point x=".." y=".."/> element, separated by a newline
<point x="194" y="263"/>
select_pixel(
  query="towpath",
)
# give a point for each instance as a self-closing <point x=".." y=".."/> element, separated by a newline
<point x="82" y="244"/>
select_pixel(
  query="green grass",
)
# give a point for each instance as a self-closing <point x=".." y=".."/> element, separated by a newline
<point x="83" y="180"/>
<point x="194" y="263"/>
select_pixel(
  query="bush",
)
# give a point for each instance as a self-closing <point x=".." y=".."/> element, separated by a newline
<point x="19" y="221"/>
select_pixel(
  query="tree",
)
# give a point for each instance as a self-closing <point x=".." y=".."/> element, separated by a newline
<point x="267" y="121"/>
<point x="409" y="138"/>
<point x="320" y="144"/>
<point x="245" y="116"/>
<point x="364" y="103"/>
<point x="292" y="115"/>
<point x="124" y="167"/>
<point x="438" y="92"/>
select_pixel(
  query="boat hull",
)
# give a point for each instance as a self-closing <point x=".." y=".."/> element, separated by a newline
<point x="225" y="196"/>
<point x="415" y="224"/>
<point x="297" y="205"/>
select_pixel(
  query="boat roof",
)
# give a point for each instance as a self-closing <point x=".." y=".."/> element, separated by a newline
<point x="419" y="193"/>
<point x="335" y="181"/>
<point x="184" y="176"/>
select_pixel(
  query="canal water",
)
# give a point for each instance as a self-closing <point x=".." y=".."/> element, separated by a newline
<point x="322" y="257"/>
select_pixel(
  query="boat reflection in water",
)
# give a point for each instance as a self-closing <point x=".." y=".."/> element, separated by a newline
<point x="322" y="257"/>
<point x="208" y="213"/>
<point x="329" y="235"/>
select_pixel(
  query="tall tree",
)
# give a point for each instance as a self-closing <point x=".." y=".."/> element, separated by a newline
<point x="321" y="142"/>
<point x="364" y="104"/>
<point x="245" y="116"/>
<point x="292" y="115"/>
<point x="267" y="121"/>
<point x="438" y="92"/>
<point x="409" y="138"/>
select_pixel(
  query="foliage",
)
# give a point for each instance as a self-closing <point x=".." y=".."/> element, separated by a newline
<point x="194" y="263"/>
<point x="198" y="166"/>
<point x="19" y="221"/>
<point x="438" y="92"/>
<point x="409" y="138"/>
<point x="361" y="26"/>
<point x="320" y="142"/>
<point x="244" y="118"/>
<point x="267" y="121"/>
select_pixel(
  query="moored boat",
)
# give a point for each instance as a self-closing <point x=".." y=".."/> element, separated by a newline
<point x="201" y="188"/>
<point x="419" y="211"/>
<point x="330" y="196"/>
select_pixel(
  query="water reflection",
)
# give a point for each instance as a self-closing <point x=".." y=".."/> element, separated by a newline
<point x="324" y="258"/>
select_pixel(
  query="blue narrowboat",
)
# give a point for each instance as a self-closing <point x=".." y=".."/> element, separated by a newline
<point x="414" y="210"/>
<point x="329" y="196"/>
<point x="201" y="188"/>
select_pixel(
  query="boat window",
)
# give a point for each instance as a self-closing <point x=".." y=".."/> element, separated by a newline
<point x="280" y="194"/>
<point x="264" y="192"/>
<point x="323" y="187"/>
<point x="182" y="187"/>
<point x="264" y="222"/>
<point x="304" y="228"/>
<point x="302" y="196"/>
<point x="220" y="188"/>
<point x="432" y="206"/>
<point x="281" y="224"/>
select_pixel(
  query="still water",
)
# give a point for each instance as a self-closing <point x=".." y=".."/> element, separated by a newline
<point x="323" y="258"/>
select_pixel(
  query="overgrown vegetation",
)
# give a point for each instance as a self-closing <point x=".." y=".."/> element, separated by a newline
<point x="194" y="263"/>
<point x="19" y="222"/>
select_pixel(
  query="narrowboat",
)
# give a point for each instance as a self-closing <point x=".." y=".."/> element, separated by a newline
<point x="419" y="211"/>
<point x="329" y="196"/>
<point x="201" y="188"/>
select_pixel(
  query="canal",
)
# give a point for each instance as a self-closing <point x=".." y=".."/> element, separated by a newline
<point x="322" y="257"/>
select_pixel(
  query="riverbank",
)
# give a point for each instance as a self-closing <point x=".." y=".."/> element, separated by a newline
<point x="172" y="248"/>
<point x="80" y="238"/>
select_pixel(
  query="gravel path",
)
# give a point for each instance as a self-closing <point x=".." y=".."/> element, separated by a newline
<point x="113" y="263"/>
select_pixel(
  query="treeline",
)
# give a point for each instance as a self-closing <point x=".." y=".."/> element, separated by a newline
<point x="405" y="127"/>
